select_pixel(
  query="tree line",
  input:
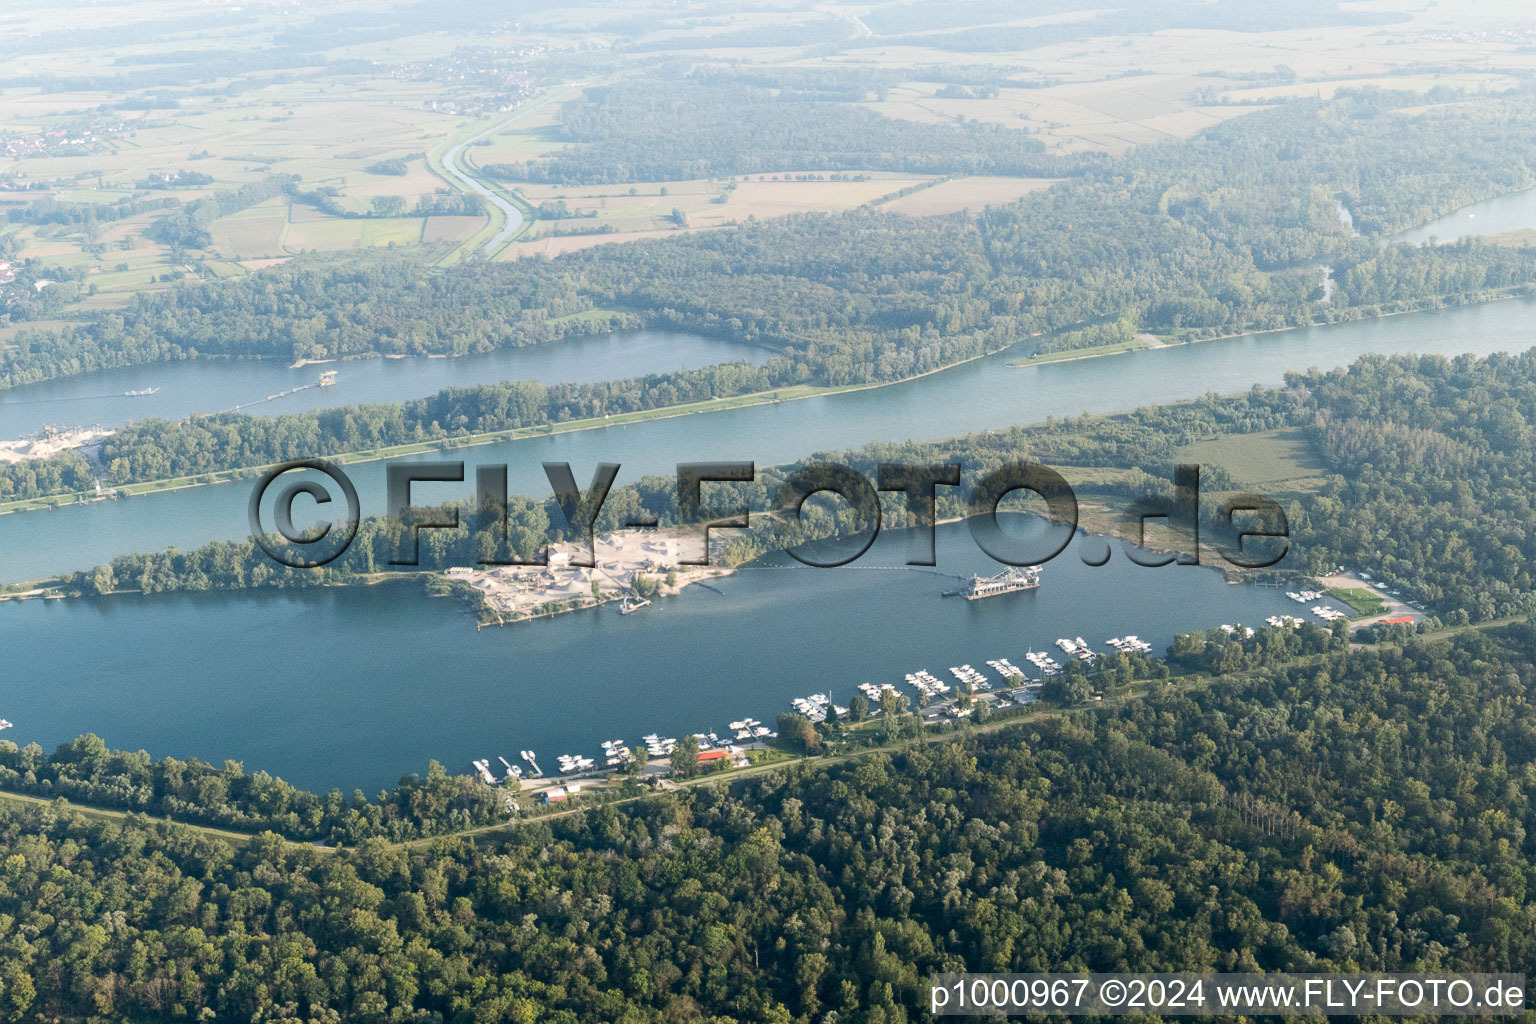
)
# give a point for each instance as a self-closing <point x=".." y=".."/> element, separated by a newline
<point x="1366" y="811"/>
<point x="1200" y="237"/>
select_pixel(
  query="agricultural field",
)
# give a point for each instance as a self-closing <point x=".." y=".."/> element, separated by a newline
<point x="331" y="234"/>
<point x="532" y="137"/>
<point x="1077" y="96"/>
<point x="622" y="213"/>
<point x="352" y="109"/>
<point x="1074" y="116"/>
<point x="256" y="232"/>
<point x="971" y="194"/>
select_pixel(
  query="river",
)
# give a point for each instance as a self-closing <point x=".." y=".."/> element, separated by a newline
<point x="354" y="687"/>
<point x="981" y="395"/>
<point x="214" y="385"/>
<point x="1509" y="212"/>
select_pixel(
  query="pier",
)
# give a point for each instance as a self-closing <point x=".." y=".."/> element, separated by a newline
<point x="326" y="379"/>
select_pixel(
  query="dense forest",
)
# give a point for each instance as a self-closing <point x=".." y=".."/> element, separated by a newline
<point x="714" y="124"/>
<point x="225" y="796"/>
<point x="1194" y="238"/>
<point x="1365" y="810"/>
<point x="156" y="449"/>
<point x="63" y="473"/>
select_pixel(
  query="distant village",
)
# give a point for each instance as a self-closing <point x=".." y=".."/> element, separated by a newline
<point x="74" y="138"/>
<point x="494" y="80"/>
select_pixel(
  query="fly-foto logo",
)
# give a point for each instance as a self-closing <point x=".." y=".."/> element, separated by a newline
<point x="1252" y="530"/>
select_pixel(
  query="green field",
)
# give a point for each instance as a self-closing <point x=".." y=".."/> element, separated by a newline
<point x="1366" y="603"/>
<point x="1282" y="459"/>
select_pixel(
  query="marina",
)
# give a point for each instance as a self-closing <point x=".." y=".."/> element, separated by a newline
<point x="933" y="698"/>
<point x="1323" y="611"/>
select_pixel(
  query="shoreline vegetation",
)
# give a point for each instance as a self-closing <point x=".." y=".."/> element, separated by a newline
<point x="1143" y="344"/>
<point x="1195" y="661"/>
<point x="879" y="730"/>
<point x="782" y="394"/>
<point x="1158" y="240"/>
<point x="1305" y="438"/>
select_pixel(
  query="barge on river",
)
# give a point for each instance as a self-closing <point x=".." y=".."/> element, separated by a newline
<point x="1006" y="582"/>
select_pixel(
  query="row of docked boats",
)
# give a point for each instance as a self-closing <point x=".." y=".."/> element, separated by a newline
<point x="570" y="764"/>
<point x="1076" y="648"/>
<point x="818" y="707"/>
<point x="1007" y="669"/>
<point x="1130" y="643"/>
<point x="748" y="729"/>
<point x="969" y="676"/>
<point x="1047" y="665"/>
<point x="927" y="684"/>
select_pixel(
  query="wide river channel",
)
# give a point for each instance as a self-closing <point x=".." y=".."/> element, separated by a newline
<point x="354" y="687"/>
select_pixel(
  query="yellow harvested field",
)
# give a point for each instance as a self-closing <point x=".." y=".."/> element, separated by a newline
<point x="1108" y="116"/>
<point x="971" y="194"/>
<point x="708" y="203"/>
<point x="776" y="198"/>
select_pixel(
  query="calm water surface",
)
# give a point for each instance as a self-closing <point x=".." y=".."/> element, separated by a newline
<point x="354" y="687"/>
<point x="981" y="395"/>
<point x="1501" y="213"/>
<point x="216" y="385"/>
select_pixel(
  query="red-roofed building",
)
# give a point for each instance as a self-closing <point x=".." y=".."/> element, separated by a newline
<point x="1398" y="619"/>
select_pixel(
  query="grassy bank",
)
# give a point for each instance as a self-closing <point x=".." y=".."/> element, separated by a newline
<point x="1366" y="603"/>
<point x="1067" y="355"/>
